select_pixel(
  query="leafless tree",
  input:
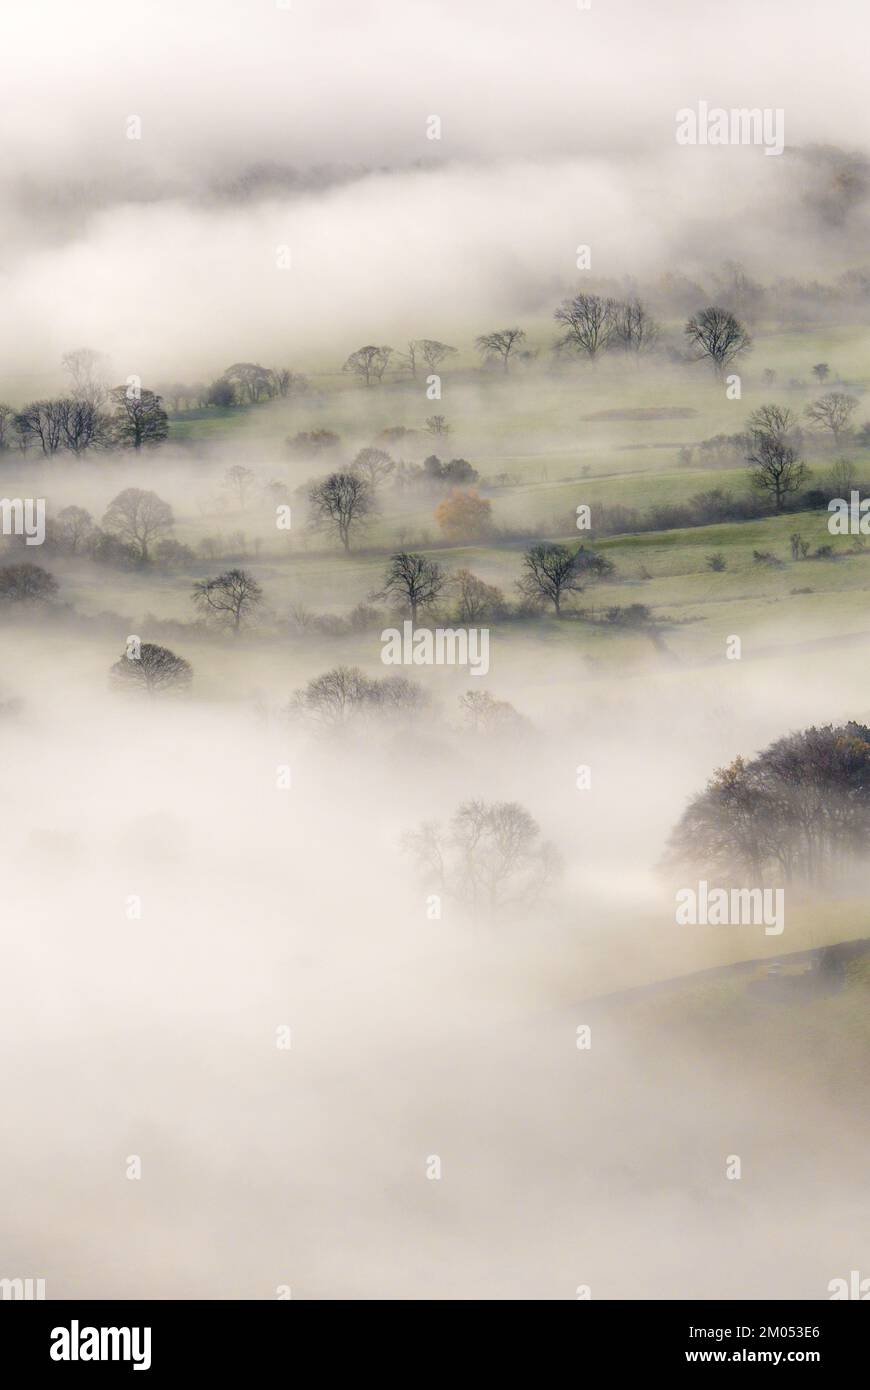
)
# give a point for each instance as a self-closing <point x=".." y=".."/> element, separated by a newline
<point x="491" y="858"/>
<point x="434" y="353"/>
<point x="413" y="579"/>
<point x="282" y="378"/>
<point x="375" y="465"/>
<point x="483" y="714"/>
<point x="408" y="359"/>
<point x="139" y="418"/>
<point x="340" y="502"/>
<point x="85" y="426"/>
<point x="717" y="335"/>
<point x="550" y="571"/>
<point x="833" y="412"/>
<point x="74" y="526"/>
<point x="776" y="469"/>
<point x="634" y="328"/>
<point x="499" y="345"/>
<point x="233" y="597"/>
<point x="775" y="422"/>
<point x="345" y="694"/>
<point x="841" y="478"/>
<point x="369" y="362"/>
<point x="154" y="671"/>
<point x="437" y="425"/>
<point x="737" y="291"/>
<point x="333" y="698"/>
<point x="88" y="373"/>
<point x="476" y="600"/>
<point x="42" y="422"/>
<point x="241" y="480"/>
<point x="138" y="517"/>
<point x="590" y="323"/>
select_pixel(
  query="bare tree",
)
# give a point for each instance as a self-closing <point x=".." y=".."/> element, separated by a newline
<point x="590" y="323"/>
<point x="408" y="360"/>
<point x="369" y="362"/>
<point x="437" y="425"/>
<point x="717" y="335"/>
<point x="139" y="417"/>
<point x="413" y="579"/>
<point x="333" y="698"/>
<point x="491" y="858"/>
<point x="776" y="469"/>
<point x="499" y="345"/>
<point x="232" y="597"/>
<point x="775" y="422"/>
<point x="374" y="465"/>
<point x="634" y="328"/>
<point x="42" y="422"/>
<point x="88" y="373"/>
<point x="550" y="572"/>
<point x="841" y="478"/>
<point x="296" y="383"/>
<point x="137" y="517"/>
<point x="483" y="714"/>
<point x="833" y="412"/>
<point x="154" y="670"/>
<point x="74" y="526"/>
<point x="85" y="426"/>
<point x="241" y="480"/>
<point x="477" y="601"/>
<point x="344" y="694"/>
<point x="340" y="502"/>
<point x="434" y="353"/>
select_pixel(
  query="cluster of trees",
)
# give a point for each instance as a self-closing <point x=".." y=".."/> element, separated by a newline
<point x="134" y="530"/>
<point x="772" y="445"/>
<point x="346" y="695"/>
<point x="422" y="355"/>
<point x="800" y="810"/>
<point x="786" y="301"/>
<point x="243" y="383"/>
<point x="593" y="324"/>
<point x="776" y="468"/>
<point x="131" y="418"/>
<point x="342" y="502"/>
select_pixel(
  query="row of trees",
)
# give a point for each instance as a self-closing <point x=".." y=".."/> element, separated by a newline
<point x="412" y="582"/>
<point x="132" y="419"/>
<point x="591" y="324"/>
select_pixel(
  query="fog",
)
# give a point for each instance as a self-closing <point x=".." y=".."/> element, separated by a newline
<point x="263" y="127"/>
<point x="410" y="1038"/>
<point x="172" y="905"/>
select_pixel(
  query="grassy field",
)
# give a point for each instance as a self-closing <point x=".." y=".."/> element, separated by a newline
<point x="603" y="434"/>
